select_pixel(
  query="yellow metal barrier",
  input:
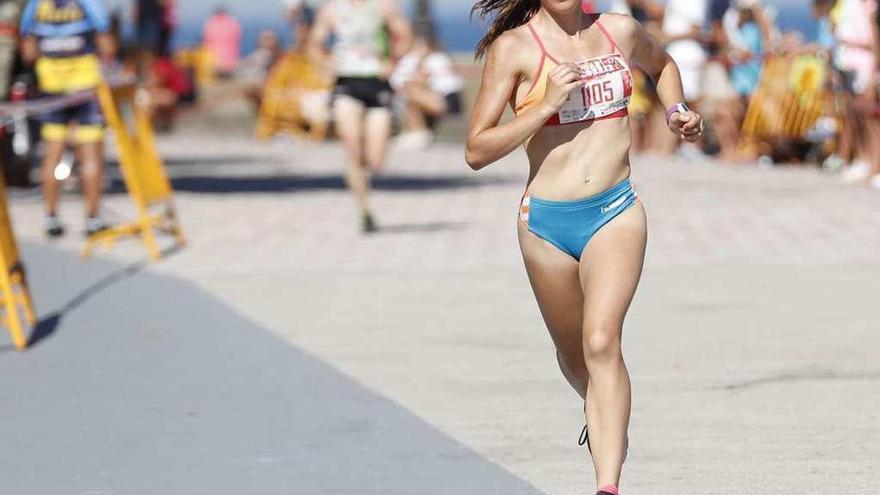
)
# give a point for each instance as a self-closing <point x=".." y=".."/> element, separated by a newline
<point x="201" y="62"/>
<point x="285" y="106"/>
<point x="791" y="96"/>
<point x="14" y="294"/>
<point x="143" y="173"/>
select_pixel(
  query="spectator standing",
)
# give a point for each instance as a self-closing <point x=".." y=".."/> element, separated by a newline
<point x="875" y="108"/>
<point x="10" y="11"/>
<point x="254" y="69"/>
<point x="748" y="58"/>
<point x="222" y="36"/>
<point x="647" y="119"/>
<point x="721" y="103"/>
<point x="169" y="25"/>
<point x="149" y="21"/>
<point x="824" y="37"/>
<point x="62" y="37"/>
<point x="683" y="32"/>
<point x="683" y="28"/>
<point x="856" y="58"/>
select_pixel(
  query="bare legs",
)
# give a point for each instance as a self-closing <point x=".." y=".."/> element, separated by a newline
<point x="51" y="157"/>
<point x="364" y="134"/>
<point x="422" y="102"/>
<point x="91" y="159"/>
<point x="556" y="284"/>
<point x="584" y="305"/>
<point x="610" y="270"/>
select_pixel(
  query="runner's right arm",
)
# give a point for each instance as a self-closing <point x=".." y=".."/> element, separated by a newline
<point x="487" y="140"/>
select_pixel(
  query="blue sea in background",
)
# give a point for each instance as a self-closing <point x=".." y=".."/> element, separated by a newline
<point x="458" y="32"/>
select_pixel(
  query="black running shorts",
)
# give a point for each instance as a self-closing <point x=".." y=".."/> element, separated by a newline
<point x="372" y="92"/>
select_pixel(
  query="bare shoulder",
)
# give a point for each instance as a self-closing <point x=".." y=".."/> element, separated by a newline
<point x="622" y="26"/>
<point x="511" y="40"/>
<point x="515" y="48"/>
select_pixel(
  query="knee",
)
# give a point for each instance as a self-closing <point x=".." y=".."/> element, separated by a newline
<point x="372" y="162"/>
<point x="602" y="345"/>
<point x="91" y="169"/>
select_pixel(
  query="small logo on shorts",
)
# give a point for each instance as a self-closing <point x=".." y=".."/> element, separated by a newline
<point x="616" y="204"/>
<point x="384" y="98"/>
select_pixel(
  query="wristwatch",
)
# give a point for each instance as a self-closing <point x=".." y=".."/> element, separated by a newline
<point x="674" y="109"/>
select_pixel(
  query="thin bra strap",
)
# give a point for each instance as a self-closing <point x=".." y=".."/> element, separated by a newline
<point x="537" y="38"/>
<point x="544" y="52"/>
<point x="609" y="37"/>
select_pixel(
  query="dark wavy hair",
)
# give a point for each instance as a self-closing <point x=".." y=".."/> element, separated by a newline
<point x="505" y="15"/>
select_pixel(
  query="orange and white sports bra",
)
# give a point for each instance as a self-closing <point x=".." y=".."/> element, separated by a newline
<point x="607" y="89"/>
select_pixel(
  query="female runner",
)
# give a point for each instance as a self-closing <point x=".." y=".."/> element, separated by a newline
<point x="582" y="230"/>
<point x="362" y="63"/>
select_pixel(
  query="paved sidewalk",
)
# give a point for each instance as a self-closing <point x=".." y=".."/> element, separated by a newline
<point x="140" y="383"/>
<point x="752" y="342"/>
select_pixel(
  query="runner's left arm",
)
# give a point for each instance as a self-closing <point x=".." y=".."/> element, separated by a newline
<point x="652" y="58"/>
<point x="401" y="32"/>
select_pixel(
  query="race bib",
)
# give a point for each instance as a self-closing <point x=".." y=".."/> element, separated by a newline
<point x="606" y="90"/>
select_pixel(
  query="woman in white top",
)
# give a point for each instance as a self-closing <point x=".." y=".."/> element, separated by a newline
<point x="430" y="88"/>
<point x="682" y="26"/>
<point x="362" y="61"/>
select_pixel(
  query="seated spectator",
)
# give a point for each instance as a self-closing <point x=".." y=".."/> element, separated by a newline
<point x="169" y="87"/>
<point x="430" y="89"/>
<point x="301" y="14"/>
<point x="254" y="69"/>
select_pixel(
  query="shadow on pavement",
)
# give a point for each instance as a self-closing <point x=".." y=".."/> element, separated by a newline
<point x="209" y="161"/>
<point x="151" y="385"/>
<point x="48" y="325"/>
<point x="294" y="183"/>
<point x="415" y="228"/>
<point x="214" y="160"/>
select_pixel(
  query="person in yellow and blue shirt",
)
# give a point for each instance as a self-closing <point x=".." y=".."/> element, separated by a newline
<point x="65" y="38"/>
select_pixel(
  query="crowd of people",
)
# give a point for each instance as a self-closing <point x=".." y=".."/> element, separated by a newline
<point x="721" y="47"/>
<point x="385" y="72"/>
<point x="376" y="64"/>
<point x="56" y="50"/>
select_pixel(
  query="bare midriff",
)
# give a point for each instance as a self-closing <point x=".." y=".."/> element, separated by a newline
<point x="575" y="161"/>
